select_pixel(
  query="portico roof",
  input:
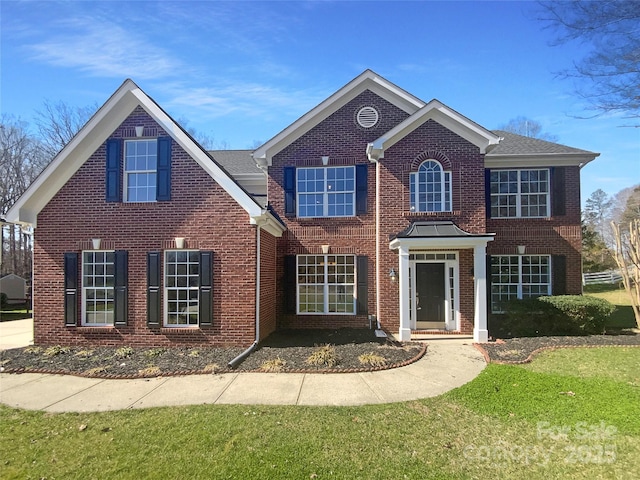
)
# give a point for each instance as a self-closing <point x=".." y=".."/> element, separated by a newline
<point x="438" y="234"/>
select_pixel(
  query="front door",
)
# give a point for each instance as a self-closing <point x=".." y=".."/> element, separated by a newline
<point x="430" y="296"/>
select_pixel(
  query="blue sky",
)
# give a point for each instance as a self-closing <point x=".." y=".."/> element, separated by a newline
<point x="240" y="72"/>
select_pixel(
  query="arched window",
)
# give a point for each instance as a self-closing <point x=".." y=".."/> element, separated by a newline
<point x="430" y="188"/>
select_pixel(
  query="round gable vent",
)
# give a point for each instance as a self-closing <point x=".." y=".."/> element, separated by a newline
<point x="367" y="117"/>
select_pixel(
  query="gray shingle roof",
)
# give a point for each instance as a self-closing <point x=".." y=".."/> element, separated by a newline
<point x="514" y="144"/>
<point x="236" y="161"/>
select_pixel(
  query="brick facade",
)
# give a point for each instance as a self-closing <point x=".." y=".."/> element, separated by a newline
<point x="199" y="210"/>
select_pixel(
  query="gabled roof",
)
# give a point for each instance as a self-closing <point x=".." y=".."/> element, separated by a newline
<point x="368" y="80"/>
<point x="517" y="149"/>
<point x="96" y="131"/>
<point x="445" y="116"/>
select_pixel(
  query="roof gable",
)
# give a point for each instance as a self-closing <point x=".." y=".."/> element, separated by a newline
<point x="96" y="131"/>
<point x="368" y="80"/>
<point x="445" y="116"/>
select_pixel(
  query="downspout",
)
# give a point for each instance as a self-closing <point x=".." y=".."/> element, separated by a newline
<point x="378" y="243"/>
<point x="240" y="358"/>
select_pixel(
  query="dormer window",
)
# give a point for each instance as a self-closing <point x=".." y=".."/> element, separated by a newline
<point x="430" y="188"/>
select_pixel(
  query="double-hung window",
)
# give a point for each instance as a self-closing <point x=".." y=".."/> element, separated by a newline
<point x="98" y="280"/>
<point x="519" y="276"/>
<point x="326" y="284"/>
<point x="520" y="193"/>
<point x="430" y="188"/>
<point x="326" y="191"/>
<point x="140" y="170"/>
<point x="182" y="282"/>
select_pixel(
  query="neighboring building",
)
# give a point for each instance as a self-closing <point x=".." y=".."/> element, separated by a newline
<point x="14" y="287"/>
<point x="381" y="208"/>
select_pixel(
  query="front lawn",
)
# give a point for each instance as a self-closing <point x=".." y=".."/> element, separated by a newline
<point x="540" y="421"/>
<point x="623" y="316"/>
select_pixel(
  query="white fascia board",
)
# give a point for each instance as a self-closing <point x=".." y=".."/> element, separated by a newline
<point x="366" y="81"/>
<point x="67" y="162"/>
<point x="539" y="160"/>
<point x="448" y="118"/>
<point x="441" y="242"/>
<point x="269" y="223"/>
<point x="201" y="157"/>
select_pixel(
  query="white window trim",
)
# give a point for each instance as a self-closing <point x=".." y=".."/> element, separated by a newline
<point x="446" y="196"/>
<point x="125" y="180"/>
<point x="166" y="295"/>
<point x="325" y="286"/>
<point x="325" y="193"/>
<point x="520" y="284"/>
<point x="519" y="193"/>
<point x="84" y="322"/>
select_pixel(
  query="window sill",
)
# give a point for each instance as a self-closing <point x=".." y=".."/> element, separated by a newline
<point x="96" y="329"/>
<point x="455" y="213"/>
<point x="180" y="330"/>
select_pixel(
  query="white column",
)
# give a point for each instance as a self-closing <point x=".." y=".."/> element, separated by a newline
<point x="480" y="332"/>
<point x="403" y="285"/>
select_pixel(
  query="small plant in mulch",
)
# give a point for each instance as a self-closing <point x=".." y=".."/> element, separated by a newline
<point x="56" y="350"/>
<point x="34" y="350"/>
<point x="509" y="353"/>
<point x="92" y="372"/>
<point x="193" y="353"/>
<point x="211" y="368"/>
<point x="84" y="353"/>
<point x="372" y="359"/>
<point x="325" y="356"/>
<point x="123" y="352"/>
<point x="150" y="371"/>
<point x="153" y="352"/>
<point x="273" y="365"/>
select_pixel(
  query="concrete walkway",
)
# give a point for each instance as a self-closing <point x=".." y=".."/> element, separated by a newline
<point x="16" y="333"/>
<point x="449" y="363"/>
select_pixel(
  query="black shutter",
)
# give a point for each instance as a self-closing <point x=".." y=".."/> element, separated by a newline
<point x="559" y="272"/>
<point x="290" y="191"/>
<point x="163" y="177"/>
<point x="112" y="178"/>
<point x="289" y="283"/>
<point x="71" y="289"/>
<point x="558" y="191"/>
<point x="206" y="288"/>
<point x="120" y="298"/>
<point x="488" y="275"/>
<point x="487" y="191"/>
<point x="363" y="285"/>
<point x="154" y="276"/>
<point x="361" y="189"/>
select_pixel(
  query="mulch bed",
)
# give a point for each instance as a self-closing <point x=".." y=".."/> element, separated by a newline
<point x="522" y="350"/>
<point x="285" y="351"/>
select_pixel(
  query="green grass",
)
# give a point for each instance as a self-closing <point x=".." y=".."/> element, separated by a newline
<point x="623" y="316"/>
<point x="511" y="422"/>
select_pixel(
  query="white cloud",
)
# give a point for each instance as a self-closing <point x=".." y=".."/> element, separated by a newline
<point x="101" y="48"/>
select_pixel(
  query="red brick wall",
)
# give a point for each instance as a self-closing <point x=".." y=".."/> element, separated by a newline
<point x="345" y="142"/>
<point x="268" y="284"/>
<point x="199" y="210"/>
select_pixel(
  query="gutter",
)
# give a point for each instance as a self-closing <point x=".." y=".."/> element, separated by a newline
<point x="241" y="358"/>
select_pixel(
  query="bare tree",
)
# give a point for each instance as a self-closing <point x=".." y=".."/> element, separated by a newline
<point x="22" y="158"/>
<point x="528" y="128"/>
<point x="627" y="255"/>
<point x="59" y="122"/>
<point x="609" y="75"/>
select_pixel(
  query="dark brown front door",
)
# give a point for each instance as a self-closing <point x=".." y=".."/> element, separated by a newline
<point x="430" y="295"/>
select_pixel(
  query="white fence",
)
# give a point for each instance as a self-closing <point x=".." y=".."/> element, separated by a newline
<point x="610" y="276"/>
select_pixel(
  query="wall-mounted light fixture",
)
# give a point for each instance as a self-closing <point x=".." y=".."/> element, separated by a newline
<point x="95" y="242"/>
<point x="139" y="131"/>
<point x="179" y="242"/>
<point x="392" y="275"/>
<point x="325" y="248"/>
<point x="325" y="160"/>
<point x="521" y="249"/>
